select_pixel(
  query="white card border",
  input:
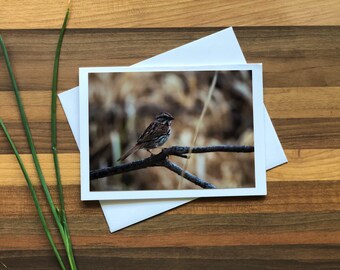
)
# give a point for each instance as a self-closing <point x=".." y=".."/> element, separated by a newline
<point x="260" y="171"/>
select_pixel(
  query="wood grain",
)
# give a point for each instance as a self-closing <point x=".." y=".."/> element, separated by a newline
<point x="322" y="134"/>
<point x="291" y="56"/>
<point x="282" y="103"/>
<point x="313" y="160"/>
<point x="295" y="221"/>
<point x="234" y="218"/>
<point x="21" y="14"/>
<point x="286" y="257"/>
<point x="295" y="227"/>
<point x="292" y="111"/>
<point x="283" y="197"/>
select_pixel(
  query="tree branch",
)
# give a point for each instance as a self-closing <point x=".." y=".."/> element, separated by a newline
<point x="161" y="159"/>
<point x="192" y="178"/>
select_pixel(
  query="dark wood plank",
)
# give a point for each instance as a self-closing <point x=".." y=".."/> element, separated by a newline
<point x="306" y="55"/>
<point x="165" y="231"/>
<point x="235" y="257"/>
<point x="282" y="103"/>
<point x="308" y="133"/>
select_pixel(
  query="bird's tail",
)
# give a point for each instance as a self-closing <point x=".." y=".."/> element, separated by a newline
<point x="130" y="152"/>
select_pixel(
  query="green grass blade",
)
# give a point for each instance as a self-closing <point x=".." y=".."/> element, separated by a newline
<point x="26" y="126"/>
<point x="34" y="196"/>
<point x="54" y="111"/>
<point x="30" y="141"/>
<point x="67" y="240"/>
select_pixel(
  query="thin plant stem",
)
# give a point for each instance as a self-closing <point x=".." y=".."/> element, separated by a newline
<point x="68" y="247"/>
<point x="26" y="127"/>
<point x="29" y="138"/>
<point x="34" y="196"/>
<point x="54" y="111"/>
<point x="198" y="126"/>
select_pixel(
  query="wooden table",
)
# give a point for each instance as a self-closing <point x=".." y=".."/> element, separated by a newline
<point x="297" y="226"/>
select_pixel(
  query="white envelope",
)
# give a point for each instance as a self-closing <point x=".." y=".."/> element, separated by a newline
<point x="216" y="49"/>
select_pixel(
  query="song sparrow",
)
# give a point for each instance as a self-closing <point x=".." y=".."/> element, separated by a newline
<point x="155" y="135"/>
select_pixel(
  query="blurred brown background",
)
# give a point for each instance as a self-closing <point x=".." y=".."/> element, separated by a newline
<point x="122" y="105"/>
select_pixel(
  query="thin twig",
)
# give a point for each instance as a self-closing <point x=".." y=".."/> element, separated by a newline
<point x="207" y="149"/>
<point x="192" y="178"/>
<point x="161" y="159"/>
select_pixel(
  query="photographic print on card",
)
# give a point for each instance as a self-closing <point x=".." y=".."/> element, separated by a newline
<point x="171" y="132"/>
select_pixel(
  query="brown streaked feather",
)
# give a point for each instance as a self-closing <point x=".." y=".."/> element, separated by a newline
<point x="155" y="129"/>
<point x="155" y="135"/>
<point x="130" y="152"/>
